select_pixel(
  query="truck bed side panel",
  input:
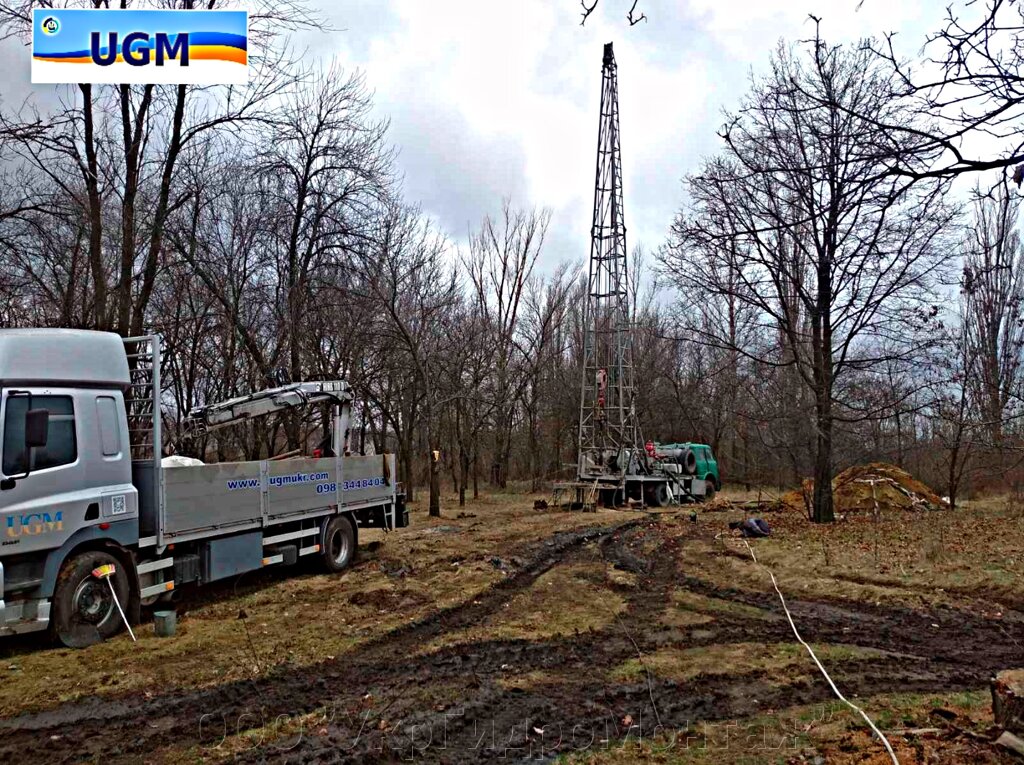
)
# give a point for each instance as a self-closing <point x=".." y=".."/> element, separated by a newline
<point x="211" y="496"/>
<point x="297" y="485"/>
<point x="229" y="494"/>
<point x="365" y="479"/>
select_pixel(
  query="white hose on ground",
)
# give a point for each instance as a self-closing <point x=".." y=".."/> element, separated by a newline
<point x="840" y="696"/>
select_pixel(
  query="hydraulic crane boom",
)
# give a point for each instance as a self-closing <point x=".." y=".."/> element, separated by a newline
<point x="295" y="395"/>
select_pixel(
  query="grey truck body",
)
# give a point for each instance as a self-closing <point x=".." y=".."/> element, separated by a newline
<point x="98" y="484"/>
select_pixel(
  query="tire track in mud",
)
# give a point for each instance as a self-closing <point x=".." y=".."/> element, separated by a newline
<point x="581" y="709"/>
<point x="129" y="726"/>
<point x="941" y="634"/>
<point x="576" y="706"/>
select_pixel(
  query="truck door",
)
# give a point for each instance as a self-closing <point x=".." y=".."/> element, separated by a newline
<point x="81" y="477"/>
<point x="702" y="461"/>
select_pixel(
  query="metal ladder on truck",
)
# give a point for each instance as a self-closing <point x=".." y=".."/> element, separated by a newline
<point x="142" y="404"/>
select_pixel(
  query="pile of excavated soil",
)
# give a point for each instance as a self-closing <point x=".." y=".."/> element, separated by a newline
<point x="859" y="488"/>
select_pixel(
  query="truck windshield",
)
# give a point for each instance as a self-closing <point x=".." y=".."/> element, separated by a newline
<point x="61" y="445"/>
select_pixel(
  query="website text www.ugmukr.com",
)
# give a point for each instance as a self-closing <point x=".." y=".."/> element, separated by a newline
<point x="322" y="480"/>
<point x="278" y="480"/>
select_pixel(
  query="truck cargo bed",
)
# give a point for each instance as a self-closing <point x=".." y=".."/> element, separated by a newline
<point x="213" y="499"/>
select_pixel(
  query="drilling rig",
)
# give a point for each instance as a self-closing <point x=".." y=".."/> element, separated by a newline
<point x="613" y="464"/>
<point x="608" y="430"/>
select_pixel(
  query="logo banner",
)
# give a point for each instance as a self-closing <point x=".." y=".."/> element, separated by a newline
<point x="140" y="46"/>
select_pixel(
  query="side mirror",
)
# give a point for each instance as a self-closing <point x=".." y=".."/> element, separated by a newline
<point x="37" y="428"/>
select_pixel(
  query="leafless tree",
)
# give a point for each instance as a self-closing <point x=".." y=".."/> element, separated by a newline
<point x="993" y="296"/>
<point x="965" y="99"/>
<point x="795" y="221"/>
<point x="150" y="126"/>
<point x="501" y="259"/>
<point x="404" y="271"/>
<point x="631" y="14"/>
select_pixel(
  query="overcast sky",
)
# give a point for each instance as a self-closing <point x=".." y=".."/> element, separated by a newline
<point x="492" y="98"/>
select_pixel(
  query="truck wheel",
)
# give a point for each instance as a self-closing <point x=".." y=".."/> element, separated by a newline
<point x="612" y="498"/>
<point x="657" y="495"/>
<point x="339" y="547"/>
<point x="709" y="489"/>
<point x="84" y="611"/>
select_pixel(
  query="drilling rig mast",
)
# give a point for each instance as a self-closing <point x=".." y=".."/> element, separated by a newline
<point x="613" y="467"/>
<point x="609" y="435"/>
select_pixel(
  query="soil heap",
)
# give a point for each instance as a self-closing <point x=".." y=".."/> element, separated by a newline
<point x="859" y="488"/>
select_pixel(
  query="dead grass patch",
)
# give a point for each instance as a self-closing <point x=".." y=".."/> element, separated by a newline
<point x="827" y="732"/>
<point x="568" y="599"/>
<point x="776" y="660"/>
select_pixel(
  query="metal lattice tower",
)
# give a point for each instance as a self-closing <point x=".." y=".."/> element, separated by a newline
<point x="609" y="432"/>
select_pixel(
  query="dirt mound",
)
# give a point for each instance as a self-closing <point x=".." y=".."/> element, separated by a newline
<point x="859" y="488"/>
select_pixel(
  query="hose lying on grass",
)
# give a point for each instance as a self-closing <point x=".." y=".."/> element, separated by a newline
<point x="835" y="690"/>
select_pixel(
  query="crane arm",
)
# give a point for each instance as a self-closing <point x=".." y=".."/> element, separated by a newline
<point x="295" y="395"/>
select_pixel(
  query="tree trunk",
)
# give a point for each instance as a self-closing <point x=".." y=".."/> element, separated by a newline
<point x="463" y="474"/>
<point x="823" y="508"/>
<point x="435" y="479"/>
<point x="405" y="452"/>
<point x="476" y="474"/>
<point x="163" y="209"/>
<point x="92" y="187"/>
<point x="1008" y="700"/>
<point x="953" y="481"/>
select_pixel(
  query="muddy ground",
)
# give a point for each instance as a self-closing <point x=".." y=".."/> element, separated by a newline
<point x="604" y="637"/>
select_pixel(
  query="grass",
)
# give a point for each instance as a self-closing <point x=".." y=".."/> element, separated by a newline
<point x="973" y="563"/>
<point x="780" y="661"/>
<point x="568" y="599"/>
<point x="901" y="558"/>
<point x="293" y="619"/>
<point x="831" y="732"/>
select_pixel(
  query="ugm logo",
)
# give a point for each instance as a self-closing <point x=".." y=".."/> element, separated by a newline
<point x="136" y="48"/>
<point x="140" y="45"/>
<point x="33" y="524"/>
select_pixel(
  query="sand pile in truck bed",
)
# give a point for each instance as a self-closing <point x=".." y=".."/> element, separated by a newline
<point x="857" y="489"/>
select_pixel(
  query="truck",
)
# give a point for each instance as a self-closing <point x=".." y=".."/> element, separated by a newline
<point x="697" y="460"/>
<point x="657" y="475"/>
<point x="84" y="487"/>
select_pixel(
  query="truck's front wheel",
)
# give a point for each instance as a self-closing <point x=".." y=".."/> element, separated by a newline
<point x="84" y="611"/>
<point x="339" y="547"/>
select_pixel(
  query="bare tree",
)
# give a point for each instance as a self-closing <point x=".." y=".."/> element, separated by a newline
<point x="968" y="93"/>
<point x="993" y="296"/>
<point x="631" y="14"/>
<point x="796" y="222"/>
<point x="501" y="259"/>
<point x="74" y="149"/>
<point x="405" y="273"/>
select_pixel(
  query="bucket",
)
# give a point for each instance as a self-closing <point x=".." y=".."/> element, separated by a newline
<point x="165" y="623"/>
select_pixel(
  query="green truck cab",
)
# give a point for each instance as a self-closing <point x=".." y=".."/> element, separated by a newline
<point x="701" y="465"/>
